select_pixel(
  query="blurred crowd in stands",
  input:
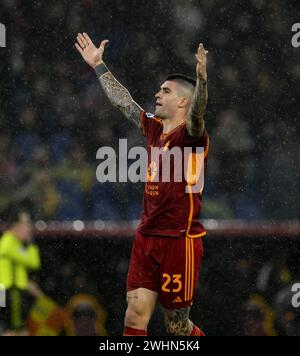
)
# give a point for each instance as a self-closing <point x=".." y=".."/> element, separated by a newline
<point x="54" y="115"/>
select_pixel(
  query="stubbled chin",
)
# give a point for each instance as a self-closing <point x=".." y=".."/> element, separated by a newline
<point x="158" y="114"/>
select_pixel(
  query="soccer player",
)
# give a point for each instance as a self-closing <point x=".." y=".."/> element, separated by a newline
<point x="167" y="250"/>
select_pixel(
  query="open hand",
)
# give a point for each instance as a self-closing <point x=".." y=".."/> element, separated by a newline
<point x="89" y="52"/>
<point x="201" y="57"/>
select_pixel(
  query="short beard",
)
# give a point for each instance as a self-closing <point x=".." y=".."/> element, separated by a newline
<point x="163" y="117"/>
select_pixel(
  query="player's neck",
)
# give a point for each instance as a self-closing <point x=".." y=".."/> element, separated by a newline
<point x="171" y="124"/>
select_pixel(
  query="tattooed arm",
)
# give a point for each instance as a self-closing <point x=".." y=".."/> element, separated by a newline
<point x="195" y="123"/>
<point x="117" y="94"/>
<point x="195" y="119"/>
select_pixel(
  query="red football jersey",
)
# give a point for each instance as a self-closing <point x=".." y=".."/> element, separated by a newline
<point x="170" y="208"/>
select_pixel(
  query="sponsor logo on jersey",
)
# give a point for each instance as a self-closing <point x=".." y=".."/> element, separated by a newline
<point x="149" y="115"/>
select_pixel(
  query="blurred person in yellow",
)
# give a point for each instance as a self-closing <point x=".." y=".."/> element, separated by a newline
<point x="18" y="256"/>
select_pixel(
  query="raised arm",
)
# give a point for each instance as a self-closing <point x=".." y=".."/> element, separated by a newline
<point x="118" y="95"/>
<point x="195" y="123"/>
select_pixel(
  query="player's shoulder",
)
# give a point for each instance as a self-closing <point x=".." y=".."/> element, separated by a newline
<point x="149" y="116"/>
<point x="203" y="138"/>
<point x="149" y="123"/>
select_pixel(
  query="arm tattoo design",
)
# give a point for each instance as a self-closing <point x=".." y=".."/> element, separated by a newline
<point x="195" y="119"/>
<point x="177" y="321"/>
<point x="120" y="97"/>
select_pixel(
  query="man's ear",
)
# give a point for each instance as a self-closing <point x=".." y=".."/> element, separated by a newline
<point x="183" y="102"/>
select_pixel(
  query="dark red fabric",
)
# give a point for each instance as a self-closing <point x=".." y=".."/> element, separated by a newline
<point x="134" y="332"/>
<point x="166" y="205"/>
<point x="197" y="331"/>
<point x="156" y="260"/>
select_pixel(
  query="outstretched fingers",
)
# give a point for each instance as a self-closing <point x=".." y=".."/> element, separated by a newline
<point x="104" y="44"/>
<point x="87" y="38"/>
<point x="81" y="40"/>
<point x="79" y="49"/>
<point x="201" y="49"/>
<point x="201" y="53"/>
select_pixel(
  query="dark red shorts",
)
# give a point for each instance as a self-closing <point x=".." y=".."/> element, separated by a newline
<point x="168" y="266"/>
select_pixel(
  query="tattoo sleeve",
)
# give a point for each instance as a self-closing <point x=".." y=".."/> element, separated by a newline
<point x="120" y="97"/>
<point x="195" y="118"/>
<point x="177" y="322"/>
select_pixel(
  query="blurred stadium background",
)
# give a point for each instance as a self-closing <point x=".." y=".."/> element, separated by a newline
<point x="54" y="117"/>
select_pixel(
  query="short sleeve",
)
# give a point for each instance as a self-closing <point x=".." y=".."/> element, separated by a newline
<point x="203" y="141"/>
<point x="194" y="142"/>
